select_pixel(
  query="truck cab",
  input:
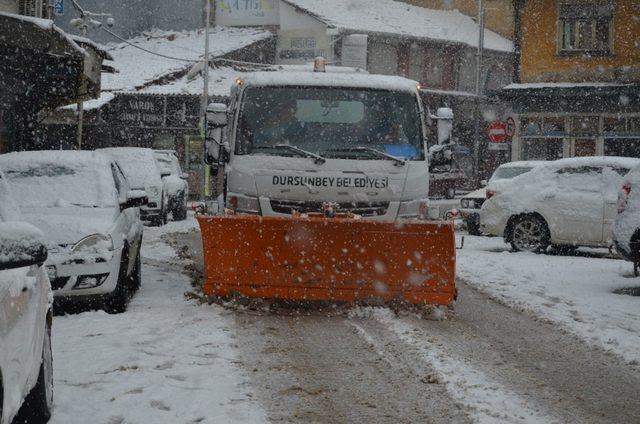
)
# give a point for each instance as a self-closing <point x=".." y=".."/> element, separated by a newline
<point x="293" y="141"/>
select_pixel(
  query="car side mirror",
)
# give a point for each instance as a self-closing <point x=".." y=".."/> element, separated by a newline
<point x="483" y="183"/>
<point x="135" y="199"/>
<point x="21" y="245"/>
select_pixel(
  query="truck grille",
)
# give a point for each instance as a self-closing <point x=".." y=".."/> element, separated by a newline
<point x="358" y="208"/>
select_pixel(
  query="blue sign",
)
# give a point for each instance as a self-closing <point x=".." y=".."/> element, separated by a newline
<point x="58" y="7"/>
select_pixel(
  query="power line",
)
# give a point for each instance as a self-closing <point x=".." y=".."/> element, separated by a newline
<point x="124" y="40"/>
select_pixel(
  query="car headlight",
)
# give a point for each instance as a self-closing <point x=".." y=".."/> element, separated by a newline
<point x="95" y="243"/>
<point x="153" y="191"/>
<point x="244" y="204"/>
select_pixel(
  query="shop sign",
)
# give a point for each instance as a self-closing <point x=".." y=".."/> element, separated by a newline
<point x="300" y="47"/>
<point x="154" y="111"/>
<point x="247" y="12"/>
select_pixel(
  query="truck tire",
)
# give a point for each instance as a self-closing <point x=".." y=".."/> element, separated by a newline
<point x="38" y="404"/>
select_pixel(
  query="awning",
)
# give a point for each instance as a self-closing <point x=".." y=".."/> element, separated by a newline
<point x="41" y="66"/>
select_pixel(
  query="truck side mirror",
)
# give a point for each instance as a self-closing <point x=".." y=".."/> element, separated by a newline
<point x="215" y="146"/>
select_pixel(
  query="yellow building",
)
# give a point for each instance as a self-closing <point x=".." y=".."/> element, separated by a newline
<point x="578" y="92"/>
<point x="498" y="13"/>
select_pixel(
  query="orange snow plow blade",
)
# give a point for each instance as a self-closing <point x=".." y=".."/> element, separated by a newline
<point x="328" y="259"/>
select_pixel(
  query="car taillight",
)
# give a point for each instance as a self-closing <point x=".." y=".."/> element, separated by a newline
<point x="490" y="194"/>
<point x="623" y="197"/>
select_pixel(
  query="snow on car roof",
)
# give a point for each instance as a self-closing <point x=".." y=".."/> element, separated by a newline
<point x="393" y="17"/>
<point x="331" y="79"/>
<point x="527" y="163"/>
<point x="622" y="162"/>
<point x="59" y="178"/>
<point x="138" y="164"/>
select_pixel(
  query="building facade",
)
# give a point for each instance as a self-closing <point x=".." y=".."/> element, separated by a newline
<point x="578" y="92"/>
<point x="498" y="13"/>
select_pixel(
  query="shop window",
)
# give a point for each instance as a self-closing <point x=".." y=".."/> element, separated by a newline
<point x="538" y="148"/>
<point x="629" y="147"/>
<point x="584" y="147"/>
<point x="614" y="125"/>
<point x="585" y="125"/>
<point x="585" y="26"/>
<point x="435" y="65"/>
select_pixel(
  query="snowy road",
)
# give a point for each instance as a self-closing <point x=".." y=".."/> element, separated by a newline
<point x="169" y="360"/>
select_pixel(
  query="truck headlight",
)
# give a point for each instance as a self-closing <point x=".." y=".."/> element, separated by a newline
<point x="414" y="209"/>
<point x="95" y="243"/>
<point x="244" y="204"/>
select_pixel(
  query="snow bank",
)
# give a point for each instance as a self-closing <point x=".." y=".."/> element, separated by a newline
<point x="575" y="292"/>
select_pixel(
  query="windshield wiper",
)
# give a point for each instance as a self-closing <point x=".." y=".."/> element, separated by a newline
<point x="300" y="152"/>
<point x="398" y="161"/>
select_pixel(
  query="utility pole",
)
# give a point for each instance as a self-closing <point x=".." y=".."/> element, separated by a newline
<point x="83" y="23"/>
<point x="205" y="100"/>
<point x="479" y="91"/>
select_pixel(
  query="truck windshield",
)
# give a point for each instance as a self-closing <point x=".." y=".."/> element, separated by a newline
<point x="329" y="122"/>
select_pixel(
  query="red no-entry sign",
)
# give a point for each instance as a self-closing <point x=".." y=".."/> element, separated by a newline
<point x="497" y="132"/>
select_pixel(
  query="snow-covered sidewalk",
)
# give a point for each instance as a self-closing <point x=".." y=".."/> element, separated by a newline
<point x="573" y="291"/>
<point x="166" y="360"/>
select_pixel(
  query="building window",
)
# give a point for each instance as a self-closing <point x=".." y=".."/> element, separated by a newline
<point x="542" y="138"/>
<point x="435" y="65"/>
<point x="415" y="63"/>
<point x="585" y="26"/>
<point x="622" y="136"/>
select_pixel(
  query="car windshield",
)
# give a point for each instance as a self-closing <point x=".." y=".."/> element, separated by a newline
<point x="54" y="185"/>
<point x="508" y="172"/>
<point x="329" y="121"/>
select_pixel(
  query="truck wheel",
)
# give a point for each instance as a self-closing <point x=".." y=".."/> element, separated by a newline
<point x="530" y="233"/>
<point x="473" y="228"/>
<point x="38" y="404"/>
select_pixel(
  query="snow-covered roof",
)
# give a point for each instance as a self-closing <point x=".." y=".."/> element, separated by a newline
<point x="137" y="67"/>
<point x="346" y="79"/>
<point x="397" y="18"/>
<point x="527" y="163"/>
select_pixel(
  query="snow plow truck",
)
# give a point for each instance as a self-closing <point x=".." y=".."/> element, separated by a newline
<point x="322" y="178"/>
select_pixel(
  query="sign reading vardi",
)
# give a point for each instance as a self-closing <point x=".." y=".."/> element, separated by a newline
<point x="340" y="182"/>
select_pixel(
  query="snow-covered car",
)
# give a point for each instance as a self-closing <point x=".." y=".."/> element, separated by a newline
<point x="565" y="203"/>
<point x="83" y="204"/>
<point x="143" y="173"/>
<point x="175" y="183"/>
<point x="26" y="373"/>
<point x="626" y="228"/>
<point x="471" y="203"/>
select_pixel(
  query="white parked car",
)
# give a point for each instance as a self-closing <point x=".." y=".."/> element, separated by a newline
<point x="626" y="229"/>
<point x="175" y="183"/>
<point x="143" y="173"/>
<point x="565" y="203"/>
<point x="26" y="372"/>
<point x="82" y="203"/>
<point x="471" y="203"/>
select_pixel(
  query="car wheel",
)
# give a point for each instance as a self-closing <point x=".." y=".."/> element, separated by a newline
<point x="135" y="279"/>
<point x="38" y="404"/>
<point x="451" y="193"/>
<point x="530" y="233"/>
<point x="116" y="303"/>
